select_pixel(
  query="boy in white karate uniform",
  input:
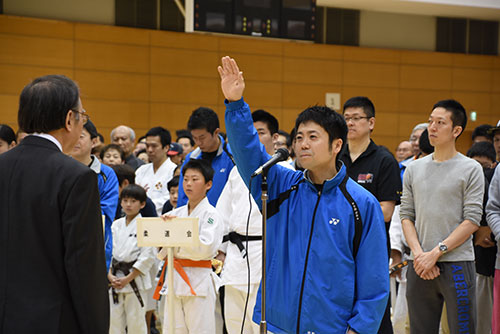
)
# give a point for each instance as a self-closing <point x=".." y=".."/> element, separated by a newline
<point x="195" y="284"/>
<point x="129" y="271"/>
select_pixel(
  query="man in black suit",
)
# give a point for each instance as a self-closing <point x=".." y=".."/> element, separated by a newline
<point x="52" y="266"/>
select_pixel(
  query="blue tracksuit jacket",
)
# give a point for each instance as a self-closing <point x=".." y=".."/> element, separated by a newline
<point x="222" y="165"/>
<point x="314" y="283"/>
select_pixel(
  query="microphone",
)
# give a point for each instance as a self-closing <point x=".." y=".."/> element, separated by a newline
<point x="280" y="155"/>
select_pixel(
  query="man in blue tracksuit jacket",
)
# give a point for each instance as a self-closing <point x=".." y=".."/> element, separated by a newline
<point x="203" y="125"/>
<point x="323" y="276"/>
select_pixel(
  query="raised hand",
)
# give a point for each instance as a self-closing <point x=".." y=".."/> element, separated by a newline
<point x="231" y="79"/>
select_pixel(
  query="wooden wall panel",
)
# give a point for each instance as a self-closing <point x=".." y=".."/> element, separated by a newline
<point x="179" y="62"/>
<point x="111" y="34"/>
<point x="426" y="58"/>
<point x="184" y="90"/>
<point x="383" y="98"/>
<point x="370" y="75"/>
<point x="425" y="77"/>
<point x="371" y="55"/>
<point x="13" y="78"/>
<point x="113" y="85"/>
<point x="40" y="51"/>
<point x="257" y="67"/>
<point x="301" y="96"/>
<point x="111" y="57"/>
<point x="420" y="101"/>
<point x="111" y="113"/>
<point x="472" y="80"/>
<point x="312" y="71"/>
<point x="313" y="51"/>
<point x="36" y="27"/>
<point x="144" y="78"/>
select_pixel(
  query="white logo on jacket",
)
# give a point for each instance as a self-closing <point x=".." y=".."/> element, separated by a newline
<point x="334" y="221"/>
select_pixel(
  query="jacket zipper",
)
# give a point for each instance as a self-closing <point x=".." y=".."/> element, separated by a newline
<point x="305" y="264"/>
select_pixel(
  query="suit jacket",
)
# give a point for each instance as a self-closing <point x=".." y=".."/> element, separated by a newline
<point x="52" y="266"/>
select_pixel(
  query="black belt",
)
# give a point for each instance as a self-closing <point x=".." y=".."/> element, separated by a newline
<point x="124" y="267"/>
<point x="238" y="239"/>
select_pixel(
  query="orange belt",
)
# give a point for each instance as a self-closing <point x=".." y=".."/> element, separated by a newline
<point x="178" y="265"/>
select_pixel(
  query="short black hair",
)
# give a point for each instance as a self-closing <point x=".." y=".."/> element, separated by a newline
<point x="184" y="134"/>
<point x="91" y="129"/>
<point x="424" y="144"/>
<point x="134" y="191"/>
<point x="174" y="182"/>
<point x="7" y="134"/>
<point x="164" y="135"/>
<point x="45" y="102"/>
<point x="101" y="138"/>
<point x="201" y="165"/>
<point x="482" y="149"/>
<point x="482" y="131"/>
<point x="333" y="123"/>
<point x="458" y="114"/>
<point x="124" y="172"/>
<point x="287" y="137"/>
<point x="203" y="118"/>
<point x="360" y="102"/>
<point x="112" y="147"/>
<point x="265" y="117"/>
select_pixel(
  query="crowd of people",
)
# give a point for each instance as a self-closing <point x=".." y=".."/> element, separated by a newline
<point x="344" y="215"/>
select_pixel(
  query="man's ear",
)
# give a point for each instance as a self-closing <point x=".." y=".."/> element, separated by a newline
<point x="457" y="130"/>
<point x="275" y="137"/>
<point x="94" y="141"/>
<point x="371" y="123"/>
<point x="69" y="122"/>
<point x="337" y="145"/>
<point x="216" y="132"/>
<point x="209" y="185"/>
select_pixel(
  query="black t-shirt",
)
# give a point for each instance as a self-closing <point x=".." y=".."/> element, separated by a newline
<point x="209" y="156"/>
<point x="376" y="170"/>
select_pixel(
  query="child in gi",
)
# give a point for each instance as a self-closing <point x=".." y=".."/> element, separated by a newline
<point x="129" y="272"/>
<point x="194" y="288"/>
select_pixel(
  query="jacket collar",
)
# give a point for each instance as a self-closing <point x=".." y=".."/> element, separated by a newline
<point x="334" y="181"/>
<point x="95" y="165"/>
<point x="38" y="140"/>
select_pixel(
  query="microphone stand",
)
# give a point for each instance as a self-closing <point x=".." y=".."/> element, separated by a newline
<point x="263" y="323"/>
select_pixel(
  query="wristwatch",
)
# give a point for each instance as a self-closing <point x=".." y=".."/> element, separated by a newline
<point x="443" y="248"/>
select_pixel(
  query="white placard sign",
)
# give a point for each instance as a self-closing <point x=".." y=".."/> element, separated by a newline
<point x="176" y="232"/>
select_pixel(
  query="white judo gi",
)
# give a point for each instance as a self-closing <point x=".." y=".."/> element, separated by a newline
<point x="233" y="206"/>
<point x="128" y="312"/>
<point x="156" y="183"/>
<point x="195" y="314"/>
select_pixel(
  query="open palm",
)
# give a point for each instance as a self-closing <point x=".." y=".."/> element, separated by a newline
<point x="232" y="82"/>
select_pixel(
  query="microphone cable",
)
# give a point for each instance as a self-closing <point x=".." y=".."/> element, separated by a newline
<point x="247" y="256"/>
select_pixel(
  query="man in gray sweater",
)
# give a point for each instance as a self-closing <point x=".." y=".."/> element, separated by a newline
<point x="441" y="208"/>
<point x="493" y="219"/>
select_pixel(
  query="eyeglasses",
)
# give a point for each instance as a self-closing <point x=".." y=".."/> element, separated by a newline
<point x="85" y="117"/>
<point x="355" y="119"/>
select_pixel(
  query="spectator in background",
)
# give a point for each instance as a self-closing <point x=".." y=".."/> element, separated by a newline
<point x="495" y="133"/>
<point x="186" y="140"/>
<point x="155" y="175"/>
<point x="7" y="138"/>
<point x="404" y="151"/>
<point x="424" y="144"/>
<point x="141" y="145"/>
<point x="173" y="189"/>
<point x="175" y="153"/>
<point x="112" y="154"/>
<point x="371" y="166"/>
<point x="481" y="133"/>
<point x="484" y="242"/>
<point x="415" y="137"/>
<point x="124" y="136"/>
<point x="441" y="208"/>
<point x="204" y="126"/>
<point x="106" y="181"/>
<point x="126" y="176"/>
<point x="143" y="155"/>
